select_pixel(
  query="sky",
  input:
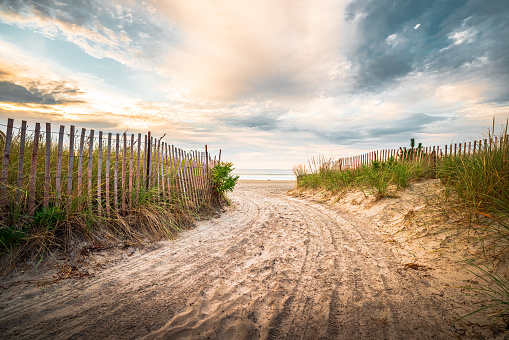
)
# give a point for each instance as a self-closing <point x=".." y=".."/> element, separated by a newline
<point x="271" y="83"/>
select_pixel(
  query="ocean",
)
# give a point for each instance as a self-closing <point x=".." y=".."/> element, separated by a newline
<point x="265" y="174"/>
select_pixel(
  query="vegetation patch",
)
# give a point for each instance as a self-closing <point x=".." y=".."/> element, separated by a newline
<point x="472" y="204"/>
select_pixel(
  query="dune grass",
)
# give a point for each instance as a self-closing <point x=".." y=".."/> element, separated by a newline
<point x="478" y="181"/>
<point x="160" y="210"/>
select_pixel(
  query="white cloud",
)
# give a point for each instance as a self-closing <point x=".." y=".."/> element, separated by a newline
<point x="233" y="49"/>
<point x="463" y="36"/>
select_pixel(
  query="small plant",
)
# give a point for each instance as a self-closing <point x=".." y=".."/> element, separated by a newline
<point x="494" y="287"/>
<point x="11" y="237"/>
<point x="222" y="178"/>
<point x="49" y="218"/>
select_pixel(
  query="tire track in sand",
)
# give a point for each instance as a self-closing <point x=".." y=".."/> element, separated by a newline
<point x="271" y="267"/>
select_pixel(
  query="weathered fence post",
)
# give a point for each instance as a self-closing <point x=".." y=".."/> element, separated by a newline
<point x="33" y="170"/>
<point x="107" y="175"/>
<point x="70" y="165"/>
<point x="5" y="162"/>
<point x="90" y="161"/>
<point x="99" y="172"/>
<point x="80" y="162"/>
<point x="124" y="160"/>
<point x="58" y="174"/>
<point x="47" y="163"/>
<point x="115" y="173"/>
<point x="149" y="148"/>
<point x="21" y="160"/>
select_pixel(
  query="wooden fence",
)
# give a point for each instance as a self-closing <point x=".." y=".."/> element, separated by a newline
<point x="106" y="173"/>
<point x="429" y="153"/>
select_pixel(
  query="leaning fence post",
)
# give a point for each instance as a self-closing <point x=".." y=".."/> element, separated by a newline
<point x="58" y="174"/>
<point x="80" y="162"/>
<point x="5" y="162"/>
<point x="99" y="172"/>
<point x="70" y="167"/>
<point x="47" y="166"/>
<point x="107" y="176"/>
<point x="149" y="147"/>
<point x="124" y="160"/>
<point x="207" y="166"/>
<point x="131" y="161"/>
<point x="33" y="170"/>
<point x="115" y="173"/>
<point x="90" y="161"/>
<point x="138" y="179"/>
<point x="21" y="159"/>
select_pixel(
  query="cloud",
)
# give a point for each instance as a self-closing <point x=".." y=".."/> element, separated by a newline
<point x="120" y="30"/>
<point x="265" y="121"/>
<point x="234" y="50"/>
<point x="14" y="93"/>
<point x="451" y="34"/>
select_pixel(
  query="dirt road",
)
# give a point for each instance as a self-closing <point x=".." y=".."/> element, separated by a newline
<point x="270" y="267"/>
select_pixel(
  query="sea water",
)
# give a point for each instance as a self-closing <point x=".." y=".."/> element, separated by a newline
<point x="265" y="174"/>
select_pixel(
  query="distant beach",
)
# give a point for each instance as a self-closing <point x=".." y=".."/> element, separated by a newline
<point x="265" y="174"/>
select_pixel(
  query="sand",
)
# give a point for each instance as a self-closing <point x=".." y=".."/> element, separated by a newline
<point x="270" y="266"/>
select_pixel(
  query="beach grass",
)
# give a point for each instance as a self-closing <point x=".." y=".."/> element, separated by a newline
<point x="150" y="212"/>
<point x="476" y="182"/>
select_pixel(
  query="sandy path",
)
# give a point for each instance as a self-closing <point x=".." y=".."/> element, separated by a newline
<point x="271" y="267"/>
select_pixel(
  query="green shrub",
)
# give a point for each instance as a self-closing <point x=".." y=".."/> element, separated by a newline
<point x="222" y="178"/>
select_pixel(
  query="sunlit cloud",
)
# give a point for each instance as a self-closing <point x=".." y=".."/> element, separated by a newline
<point x="270" y="82"/>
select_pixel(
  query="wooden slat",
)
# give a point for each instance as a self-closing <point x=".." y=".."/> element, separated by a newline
<point x="147" y="157"/>
<point x="90" y="163"/>
<point x="107" y="176"/>
<point x="80" y="162"/>
<point x="207" y="162"/>
<point x="189" y="196"/>
<point x="202" y="174"/>
<point x="194" y="178"/>
<point x="163" y="177"/>
<point x="197" y="178"/>
<point x="47" y="163"/>
<point x="21" y="159"/>
<point x="180" y="178"/>
<point x="144" y="163"/>
<point x="153" y="146"/>
<point x="5" y="161"/>
<point x="115" y="173"/>
<point x="33" y="171"/>
<point x="181" y="175"/>
<point x="70" y="165"/>
<point x="153" y="164"/>
<point x="156" y="165"/>
<point x="138" y="179"/>
<point x="58" y="173"/>
<point x="99" y="173"/>
<point x="172" y="188"/>
<point x="131" y="160"/>
<point x="124" y="159"/>
<point x="196" y="174"/>
<point x="188" y="177"/>
<point x="168" y="173"/>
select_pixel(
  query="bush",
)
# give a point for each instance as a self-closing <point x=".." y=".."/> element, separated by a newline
<point x="222" y="178"/>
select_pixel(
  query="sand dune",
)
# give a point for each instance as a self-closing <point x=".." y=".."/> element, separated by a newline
<point x="270" y="267"/>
